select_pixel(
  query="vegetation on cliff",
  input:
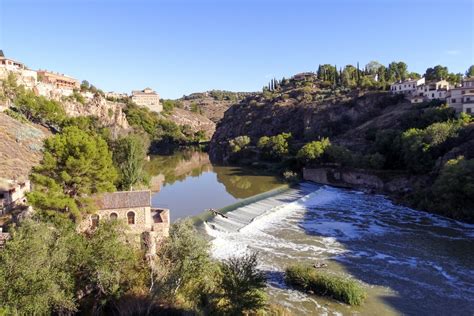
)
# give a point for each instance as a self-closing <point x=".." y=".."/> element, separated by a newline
<point x="346" y="119"/>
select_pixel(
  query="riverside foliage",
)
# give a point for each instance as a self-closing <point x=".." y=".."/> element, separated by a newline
<point x="325" y="284"/>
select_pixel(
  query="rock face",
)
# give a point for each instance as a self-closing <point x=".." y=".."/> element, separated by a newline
<point x="196" y="122"/>
<point x="109" y="113"/>
<point x="337" y="115"/>
<point x="20" y="147"/>
<point x="213" y="104"/>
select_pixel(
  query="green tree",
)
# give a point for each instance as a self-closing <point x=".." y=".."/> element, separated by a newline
<point x="110" y="266"/>
<point x="275" y="147"/>
<point x="75" y="165"/>
<point x="453" y="190"/>
<point x="373" y="67"/>
<point x="314" y="150"/>
<point x="419" y="145"/>
<point x="184" y="270"/>
<point x="36" y="270"/>
<point x="85" y="85"/>
<point x="242" y="286"/>
<point x="470" y="72"/>
<point x="396" y="71"/>
<point x="129" y="155"/>
<point x="437" y="73"/>
<point x="38" y="109"/>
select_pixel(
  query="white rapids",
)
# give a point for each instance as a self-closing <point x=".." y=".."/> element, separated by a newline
<point x="402" y="256"/>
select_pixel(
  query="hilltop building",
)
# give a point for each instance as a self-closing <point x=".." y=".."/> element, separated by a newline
<point x="407" y="87"/>
<point x="147" y="98"/>
<point x="59" y="81"/>
<point x="10" y="63"/>
<point x="418" y="90"/>
<point x="462" y="98"/>
<point x="12" y="193"/>
<point x="147" y="225"/>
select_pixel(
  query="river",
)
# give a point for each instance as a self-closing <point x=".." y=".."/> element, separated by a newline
<point x="410" y="262"/>
<point x="187" y="183"/>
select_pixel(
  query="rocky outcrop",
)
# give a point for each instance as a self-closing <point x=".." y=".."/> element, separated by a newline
<point x="336" y="116"/>
<point x="109" y="113"/>
<point x="195" y="121"/>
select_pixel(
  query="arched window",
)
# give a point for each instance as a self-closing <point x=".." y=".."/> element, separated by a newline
<point x="131" y="218"/>
<point x="94" y="221"/>
<point x="113" y="216"/>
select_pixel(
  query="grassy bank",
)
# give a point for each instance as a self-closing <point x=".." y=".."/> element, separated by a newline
<point x="309" y="279"/>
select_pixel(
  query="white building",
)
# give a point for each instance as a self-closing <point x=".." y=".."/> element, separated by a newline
<point x="12" y="193"/>
<point x="419" y="90"/>
<point x="147" y="98"/>
<point x="462" y="98"/>
<point x="407" y="87"/>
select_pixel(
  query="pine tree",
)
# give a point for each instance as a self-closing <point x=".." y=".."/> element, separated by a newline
<point x="75" y="166"/>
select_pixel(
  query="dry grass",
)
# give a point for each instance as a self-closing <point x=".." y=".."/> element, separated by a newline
<point x="20" y="147"/>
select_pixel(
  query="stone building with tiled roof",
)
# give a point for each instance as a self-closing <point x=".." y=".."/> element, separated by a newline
<point x="147" y="225"/>
<point x="147" y="98"/>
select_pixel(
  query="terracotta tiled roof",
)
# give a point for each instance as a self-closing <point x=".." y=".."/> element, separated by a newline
<point x="125" y="199"/>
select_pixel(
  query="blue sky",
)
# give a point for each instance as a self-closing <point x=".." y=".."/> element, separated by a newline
<point x="179" y="47"/>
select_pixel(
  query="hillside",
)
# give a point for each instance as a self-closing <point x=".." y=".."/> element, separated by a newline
<point x="194" y="121"/>
<point x="212" y="104"/>
<point x="305" y="123"/>
<point x="20" y="147"/>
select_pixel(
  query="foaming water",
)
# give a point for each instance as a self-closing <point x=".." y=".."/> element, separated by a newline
<point x="410" y="262"/>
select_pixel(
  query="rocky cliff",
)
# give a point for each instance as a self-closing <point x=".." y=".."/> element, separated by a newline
<point x="196" y="122"/>
<point x="345" y="116"/>
<point x="109" y="113"/>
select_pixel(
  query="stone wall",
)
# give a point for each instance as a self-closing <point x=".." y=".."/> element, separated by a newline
<point x="359" y="179"/>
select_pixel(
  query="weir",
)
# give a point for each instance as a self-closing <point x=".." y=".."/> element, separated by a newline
<point x="243" y="213"/>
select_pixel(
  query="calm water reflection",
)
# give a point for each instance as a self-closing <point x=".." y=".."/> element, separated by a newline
<point x="187" y="183"/>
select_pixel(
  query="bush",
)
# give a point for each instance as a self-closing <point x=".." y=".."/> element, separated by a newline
<point x="314" y="150"/>
<point x="242" y="286"/>
<point x="238" y="143"/>
<point x="419" y="146"/>
<point x="274" y="147"/>
<point x="336" y="287"/>
<point x="453" y="190"/>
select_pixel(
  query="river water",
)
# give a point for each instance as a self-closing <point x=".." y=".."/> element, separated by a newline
<point x="187" y="183"/>
<point x="410" y="262"/>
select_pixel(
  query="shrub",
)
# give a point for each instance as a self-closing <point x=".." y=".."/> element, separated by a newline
<point x="274" y="147"/>
<point x="339" y="288"/>
<point x="238" y="143"/>
<point x="419" y="145"/>
<point x="314" y="150"/>
<point x="453" y="190"/>
<point x="242" y="286"/>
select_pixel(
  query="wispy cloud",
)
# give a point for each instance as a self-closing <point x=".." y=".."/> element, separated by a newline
<point x="453" y="52"/>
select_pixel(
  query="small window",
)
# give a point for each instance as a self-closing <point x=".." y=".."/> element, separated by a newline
<point x="113" y="216"/>
<point x="453" y="100"/>
<point x="469" y="110"/>
<point x="468" y="99"/>
<point x="94" y="221"/>
<point x="2" y="196"/>
<point x="432" y="95"/>
<point x="131" y="218"/>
